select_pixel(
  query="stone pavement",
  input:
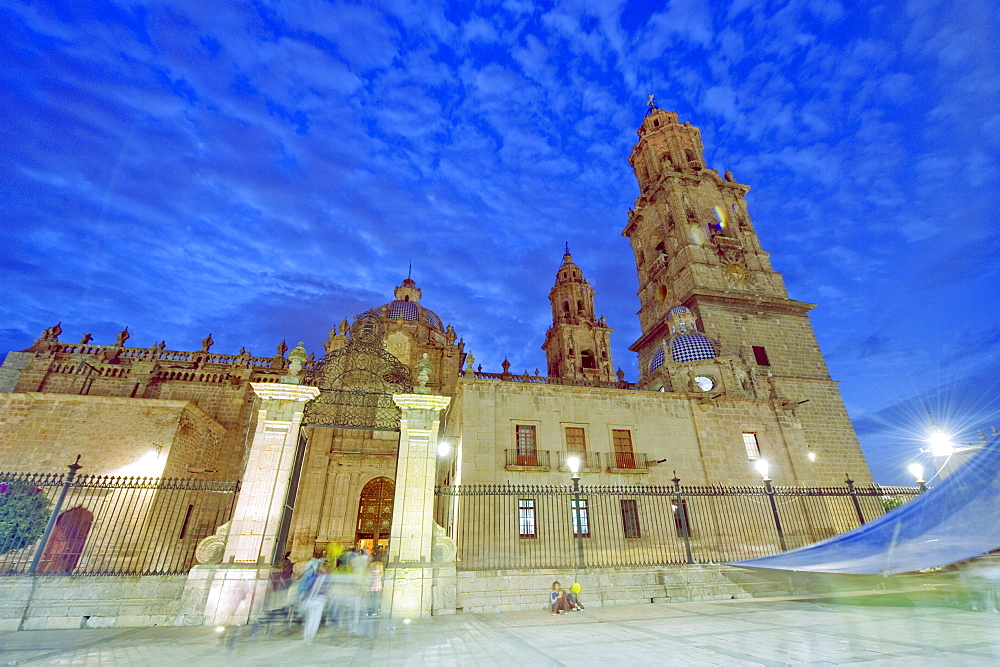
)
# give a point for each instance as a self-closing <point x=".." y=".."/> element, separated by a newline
<point x="919" y="628"/>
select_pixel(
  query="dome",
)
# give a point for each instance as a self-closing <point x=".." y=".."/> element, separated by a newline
<point x="657" y="361"/>
<point x="692" y="347"/>
<point x="404" y="310"/>
<point x="406" y="306"/>
<point x="679" y="310"/>
<point x="409" y="311"/>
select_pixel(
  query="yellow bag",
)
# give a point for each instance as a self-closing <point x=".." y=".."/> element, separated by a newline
<point x="576" y="588"/>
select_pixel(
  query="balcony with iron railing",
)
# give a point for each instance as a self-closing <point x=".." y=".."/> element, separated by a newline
<point x="528" y="460"/>
<point x="589" y="461"/>
<point x="628" y="462"/>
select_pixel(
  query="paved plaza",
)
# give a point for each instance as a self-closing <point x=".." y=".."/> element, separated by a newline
<point x="920" y="628"/>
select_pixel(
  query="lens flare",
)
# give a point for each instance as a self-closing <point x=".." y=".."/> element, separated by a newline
<point x="720" y="217"/>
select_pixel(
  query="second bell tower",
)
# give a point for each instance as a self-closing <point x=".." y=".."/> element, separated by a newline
<point x="577" y="345"/>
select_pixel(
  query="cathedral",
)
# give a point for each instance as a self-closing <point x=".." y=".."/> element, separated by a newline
<point x="730" y="373"/>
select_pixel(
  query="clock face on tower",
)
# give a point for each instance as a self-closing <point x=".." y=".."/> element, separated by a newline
<point x="704" y="382"/>
<point x="736" y="272"/>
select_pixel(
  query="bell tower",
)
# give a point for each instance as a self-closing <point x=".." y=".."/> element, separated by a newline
<point x="577" y="345"/>
<point x="695" y="247"/>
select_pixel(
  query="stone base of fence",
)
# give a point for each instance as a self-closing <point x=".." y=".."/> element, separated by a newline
<point x="55" y="603"/>
<point x="517" y="590"/>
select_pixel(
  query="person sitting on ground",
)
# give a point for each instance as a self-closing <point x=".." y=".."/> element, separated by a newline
<point x="573" y="597"/>
<point x="558" y="599"/>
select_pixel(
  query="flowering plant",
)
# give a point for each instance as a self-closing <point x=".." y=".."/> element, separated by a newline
<point x="24" y="511"/>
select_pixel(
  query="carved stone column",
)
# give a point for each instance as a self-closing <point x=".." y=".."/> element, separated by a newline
<point x="232" y="589"/>
<point x="411" y="568"/>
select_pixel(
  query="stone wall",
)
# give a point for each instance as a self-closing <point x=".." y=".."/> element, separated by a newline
<point x="515" y="590"/>
<point x="702" y="442"/>
<point x="116" y="436"/>
<point x="55" y="603"/>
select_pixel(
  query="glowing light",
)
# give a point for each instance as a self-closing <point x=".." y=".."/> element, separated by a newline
<point x="444" y="448"/>
<point x="406" y="620"/>
<point x="812" y="456"/>
<point x="573" y="463"/>
<point x="917" y="471"/>
<point x="763" y="467"/>
<point x="220" y="628"/>
<point x="150" y="464"/>
<point x="939" y="441"/>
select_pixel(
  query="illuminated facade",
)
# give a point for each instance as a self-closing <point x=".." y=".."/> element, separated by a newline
<point x="730" y="371"/>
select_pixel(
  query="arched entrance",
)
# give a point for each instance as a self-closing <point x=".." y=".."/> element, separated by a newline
<point x="65" y="547"/>
<point x="375" y="514"/>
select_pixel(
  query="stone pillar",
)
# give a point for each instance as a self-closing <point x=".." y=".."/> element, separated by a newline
<point x="410" y="570"/>
<point x="232" y="589"/>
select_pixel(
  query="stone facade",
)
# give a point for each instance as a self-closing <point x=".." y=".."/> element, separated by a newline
<point x="116" y="436"/>
<point x="730" y="371"/>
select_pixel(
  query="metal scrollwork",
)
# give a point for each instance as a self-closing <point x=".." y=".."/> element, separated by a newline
<point x="357" y="382"/>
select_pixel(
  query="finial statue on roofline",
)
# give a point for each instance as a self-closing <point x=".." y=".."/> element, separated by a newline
<point x="296" y="358"/>
<point x="652" y="105"/>
<point x="423" y="369"/>
<point x="123" y="336"/>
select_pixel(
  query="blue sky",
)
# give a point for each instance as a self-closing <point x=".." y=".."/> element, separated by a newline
<point x="261" y="170"/>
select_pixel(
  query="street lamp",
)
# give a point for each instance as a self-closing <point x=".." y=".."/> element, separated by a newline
<point x="763" y="468"/>
<point x="573" y="463"/>
<point x="917" y="471"/>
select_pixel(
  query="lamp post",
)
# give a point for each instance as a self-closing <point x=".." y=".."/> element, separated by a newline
<point x="573" y="463"/>
<point x="917" y="471"/>
<point x="763" y="468"/>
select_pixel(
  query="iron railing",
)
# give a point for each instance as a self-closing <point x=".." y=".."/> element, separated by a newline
<point x="100" y="525"/>
<point x="540" y="459"/>
<point x="506" y="526"/>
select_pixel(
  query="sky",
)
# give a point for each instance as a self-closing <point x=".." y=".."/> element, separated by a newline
<point x="262" y="170"/>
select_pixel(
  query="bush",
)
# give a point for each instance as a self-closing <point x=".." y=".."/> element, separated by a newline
<point x="892" y="502"/>
<point x="24" y="512"/>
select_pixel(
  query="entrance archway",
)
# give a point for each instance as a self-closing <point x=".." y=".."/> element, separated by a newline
<point x="375" y="514"/>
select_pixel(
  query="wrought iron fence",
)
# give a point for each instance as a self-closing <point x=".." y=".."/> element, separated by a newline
<point x="100" y="525"/>
<point x="535" y="526"/>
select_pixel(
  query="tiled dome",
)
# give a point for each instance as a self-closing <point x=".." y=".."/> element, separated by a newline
<point x="657" y="361"/>
<point x="410" y="311"/>
<point x="679" y="310"/>
<point x="692" y="347"/>
<point x="404" y="310"/>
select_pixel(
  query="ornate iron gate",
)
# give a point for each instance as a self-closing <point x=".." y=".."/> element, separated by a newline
<point x="357" y="382"/>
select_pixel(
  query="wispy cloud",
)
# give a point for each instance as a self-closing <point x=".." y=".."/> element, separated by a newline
<point x="263" y="170"/>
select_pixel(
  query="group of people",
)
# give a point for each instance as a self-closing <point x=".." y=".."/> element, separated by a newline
<point x="340" y="587"/>
<point x="563" y="601"/>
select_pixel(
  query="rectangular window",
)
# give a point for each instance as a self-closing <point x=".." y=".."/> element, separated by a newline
<point x="576" y="440"/>
<point x="753" y="448"/>
<point x="624" y="456"/>
<point x="526" y="517"/>
<point x="527" y="452"/>
<point x="187" y="522"/>
<point x="682" y="519"/>
<point x="760" y="355"/>
<point x="581" y="518"/>
<point x="630" y="519"/>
